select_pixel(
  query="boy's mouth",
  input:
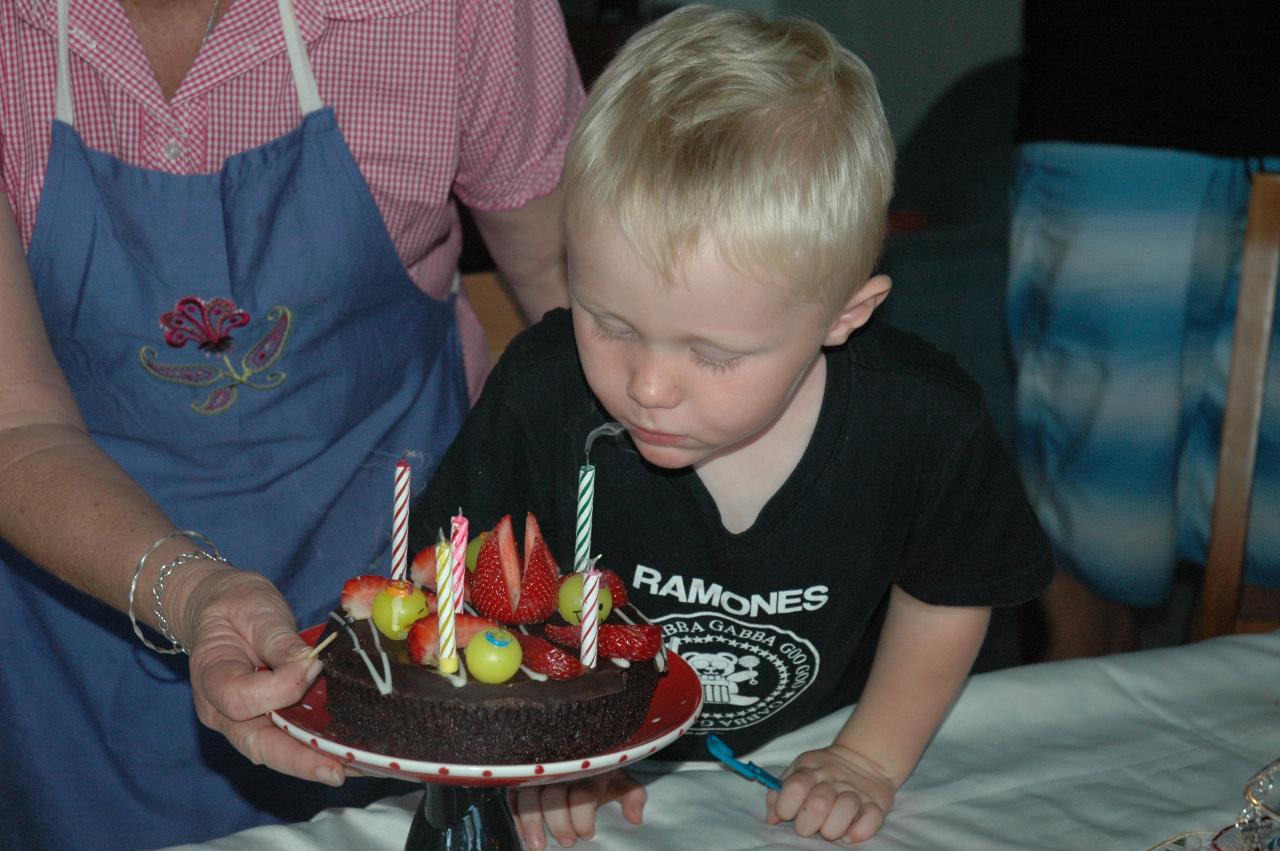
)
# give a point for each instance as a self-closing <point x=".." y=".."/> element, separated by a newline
<point x="654" y="438"/>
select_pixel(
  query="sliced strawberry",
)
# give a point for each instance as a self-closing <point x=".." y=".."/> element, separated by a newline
<point x="423" y="573"/>
<point x="544" y="657"/>
<point x="617" y="588"/>
<point x="569" y="636"/>
<point x="424" y="636"/>
<point x="540" y="584"/>
<point x="422" y="570"/>
<point x="511" y="590"/>
<point x="490" y="592"/>
<point x="358" y="594"/>
<point x="636" y="642"/>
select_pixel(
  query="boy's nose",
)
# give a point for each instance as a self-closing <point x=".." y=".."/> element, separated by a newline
<point x="653" y="383"/>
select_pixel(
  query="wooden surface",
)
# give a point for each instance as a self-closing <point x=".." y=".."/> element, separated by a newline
<point x="496" y="308"/>
<point x="1228" y="533"/>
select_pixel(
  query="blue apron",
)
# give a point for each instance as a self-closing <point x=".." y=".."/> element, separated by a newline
<point x="248" y="346"/>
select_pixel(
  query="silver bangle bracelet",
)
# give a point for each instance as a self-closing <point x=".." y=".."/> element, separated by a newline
<point x="158" y="586"/>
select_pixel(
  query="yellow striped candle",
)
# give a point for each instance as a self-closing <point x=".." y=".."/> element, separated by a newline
<point x="446" y="592"/>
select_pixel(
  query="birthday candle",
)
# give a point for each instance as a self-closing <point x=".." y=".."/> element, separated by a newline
<point x="400" y="522"/>
<point x="588" y="620"/>
<point x="586" y="499"/>
<point x="458" y="551"/>
<point x="445" y="609"/>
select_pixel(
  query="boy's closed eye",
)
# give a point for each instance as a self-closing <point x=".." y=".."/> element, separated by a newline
<point x="611" y="331"/>
<point x="707" y="356"/>
<point x="716" y="360"/>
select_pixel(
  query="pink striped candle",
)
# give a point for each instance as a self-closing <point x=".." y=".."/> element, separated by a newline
<point x="589" y="617"/>
<point x="458" y="556"/>
<point x="400" y="522"/>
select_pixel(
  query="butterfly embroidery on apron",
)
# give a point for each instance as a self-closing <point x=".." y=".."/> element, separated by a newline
<point x="209" y="324"/>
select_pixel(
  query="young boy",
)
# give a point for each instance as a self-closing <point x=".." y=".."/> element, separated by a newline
<point x="815" y="516"/>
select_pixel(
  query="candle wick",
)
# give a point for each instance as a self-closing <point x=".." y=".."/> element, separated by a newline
<point x="606" y="430"/>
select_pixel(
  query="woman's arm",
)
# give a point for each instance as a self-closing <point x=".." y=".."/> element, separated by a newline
<point x="525" y="244"/>
<point x="63" y="502"/>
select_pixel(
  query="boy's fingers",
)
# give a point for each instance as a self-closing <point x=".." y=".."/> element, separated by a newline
<point x="794" y="791"/>
<point x="631" y="796"/>
<point x="844" y="811"/>
<point x="528" y="812"/>
<point x="814" y="809"/>
<point x="553" y="803"/>
<point x="584" y="800"/>
<point x="867" y="824"/>
<point x="771" y="808"/>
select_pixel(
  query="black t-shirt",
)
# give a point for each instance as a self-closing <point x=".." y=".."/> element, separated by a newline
<point x="1197" y="75"/>
<point x="904" y="481"/>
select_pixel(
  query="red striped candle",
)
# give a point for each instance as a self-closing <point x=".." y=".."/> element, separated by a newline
<point x="400" y="522"/>
<point x="589" y="618"/>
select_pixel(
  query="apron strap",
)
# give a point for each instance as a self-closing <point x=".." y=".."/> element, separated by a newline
<point x="62" y="109"/>
<point x="303" y="78"/>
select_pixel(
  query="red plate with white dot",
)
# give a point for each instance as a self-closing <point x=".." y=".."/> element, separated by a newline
<point x="675" y="704"/>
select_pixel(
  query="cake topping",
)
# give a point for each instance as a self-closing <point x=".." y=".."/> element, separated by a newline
<point x="424" y="636"/>
<point x="494" y="656"/>
<point x="358" y="594"/>
<point x="511" y="590"/>
<point x="545" y="658"/>
<point x="381" y="680"/>
<point x="636" y="642"/>
<point x="570" y="599"/>
<point x="396" y="607"/>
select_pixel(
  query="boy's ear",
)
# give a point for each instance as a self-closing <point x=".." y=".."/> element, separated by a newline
<point x="858" y="309"/>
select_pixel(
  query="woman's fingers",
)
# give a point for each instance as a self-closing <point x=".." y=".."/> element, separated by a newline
<point x="265" y="744"/>
<point x="225" y="675"/>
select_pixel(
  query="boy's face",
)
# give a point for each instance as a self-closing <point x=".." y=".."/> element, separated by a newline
<point x="700" y="366"/>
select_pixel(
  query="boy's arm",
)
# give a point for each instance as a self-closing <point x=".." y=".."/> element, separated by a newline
<point x="923" y="658"/>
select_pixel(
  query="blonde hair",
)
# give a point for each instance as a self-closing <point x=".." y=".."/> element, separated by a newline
<point x="766" y="137"/>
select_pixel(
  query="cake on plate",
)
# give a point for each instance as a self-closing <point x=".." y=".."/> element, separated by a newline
<point x="519" y="694"/>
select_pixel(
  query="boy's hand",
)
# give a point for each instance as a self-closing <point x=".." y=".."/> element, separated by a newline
<point x="568" y="810"/>
<point x="835" y="792"/>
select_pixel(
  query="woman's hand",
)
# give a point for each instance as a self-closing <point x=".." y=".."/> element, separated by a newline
<point x="834" y="792"/>
<point x="236" y="622"/>
<point x="568" y="810"/>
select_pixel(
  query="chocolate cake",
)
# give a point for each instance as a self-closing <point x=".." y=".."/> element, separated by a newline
<point x="528" y="719"/>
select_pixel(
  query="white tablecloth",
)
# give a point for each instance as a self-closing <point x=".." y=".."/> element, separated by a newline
<point x="1119" y="752"/>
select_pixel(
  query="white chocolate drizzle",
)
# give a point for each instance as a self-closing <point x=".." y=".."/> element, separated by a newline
<point x="383" y="682"/>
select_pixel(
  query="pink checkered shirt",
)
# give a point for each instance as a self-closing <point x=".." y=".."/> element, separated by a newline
<point x="471" y="97"/>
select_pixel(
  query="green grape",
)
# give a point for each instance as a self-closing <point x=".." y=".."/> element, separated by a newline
<point x="396" y="607"/>
<point x="473" y="549"/>
<point x="570" y="600"/>
<point x="493" y="656"/>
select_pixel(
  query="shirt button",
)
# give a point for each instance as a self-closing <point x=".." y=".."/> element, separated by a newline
<point x="172" y="149"/>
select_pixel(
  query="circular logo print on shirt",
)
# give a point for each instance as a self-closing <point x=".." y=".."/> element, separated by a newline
<point x="748" y="671"/>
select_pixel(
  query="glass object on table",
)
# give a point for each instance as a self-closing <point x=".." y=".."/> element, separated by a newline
<point x="1257" y="828"/>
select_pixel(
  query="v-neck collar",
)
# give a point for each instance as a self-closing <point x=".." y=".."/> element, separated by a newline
<point x="101" y="35"/>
